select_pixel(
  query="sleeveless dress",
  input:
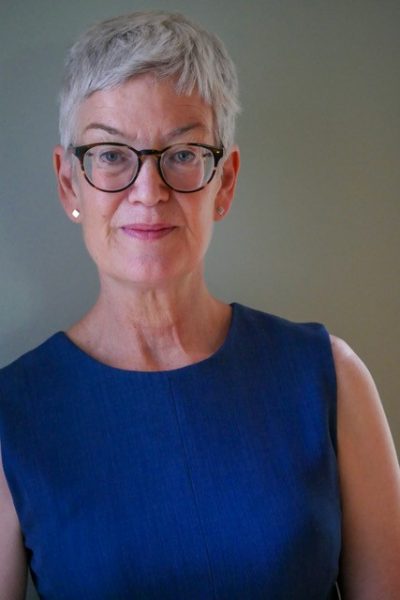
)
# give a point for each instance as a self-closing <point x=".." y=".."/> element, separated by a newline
<point x="215" y="481"/>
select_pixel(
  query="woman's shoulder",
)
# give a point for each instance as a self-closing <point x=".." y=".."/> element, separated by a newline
<point x="370" y="482"/>
<point x="30" y="362"/>
<point x="301" y="350"/>
<point x="274" y="321"/>
<point x="361" y="417"/>
<point x="29" y="384"/>
<point x="277" y="332"/>
<point x="357" y="391"/>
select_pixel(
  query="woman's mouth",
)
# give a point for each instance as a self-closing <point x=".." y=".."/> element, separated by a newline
<point x="143" y="231"/>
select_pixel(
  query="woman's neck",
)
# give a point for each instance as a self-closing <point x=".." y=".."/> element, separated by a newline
<point x="152" y="329"/>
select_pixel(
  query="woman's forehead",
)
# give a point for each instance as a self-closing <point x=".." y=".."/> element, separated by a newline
<point x="144" y="106"/>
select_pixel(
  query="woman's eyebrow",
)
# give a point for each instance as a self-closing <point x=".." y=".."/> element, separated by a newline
<point x="107" y="128"/>
<point x="184" y="129"/>
<point x="174" y="133"/>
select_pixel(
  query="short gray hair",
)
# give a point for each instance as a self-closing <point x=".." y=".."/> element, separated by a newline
<point x="167" y="45"/>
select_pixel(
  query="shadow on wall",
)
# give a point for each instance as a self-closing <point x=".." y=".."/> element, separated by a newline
<point x="31" y="593"/>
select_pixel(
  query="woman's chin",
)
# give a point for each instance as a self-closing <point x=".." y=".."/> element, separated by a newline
<point x="147" y="274"/>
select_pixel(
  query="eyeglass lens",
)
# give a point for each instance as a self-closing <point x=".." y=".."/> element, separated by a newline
<point x="184" y="167"/>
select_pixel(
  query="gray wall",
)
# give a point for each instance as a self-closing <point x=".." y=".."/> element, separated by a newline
<point x="314" y="234"/>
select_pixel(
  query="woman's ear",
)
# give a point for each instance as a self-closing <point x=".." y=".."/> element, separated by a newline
<point x="228" y="180"/>
<point x="65" y="183"/>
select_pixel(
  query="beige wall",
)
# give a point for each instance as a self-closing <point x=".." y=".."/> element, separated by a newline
<point x="314" y="234"/>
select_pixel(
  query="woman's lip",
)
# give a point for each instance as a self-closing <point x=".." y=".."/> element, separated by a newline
<point x="144" y="231"/>
<point x="147" y="226"/>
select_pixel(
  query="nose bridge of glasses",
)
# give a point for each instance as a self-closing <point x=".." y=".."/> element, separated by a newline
<point x="141" y="154"/>
<point x="154" y="165"/>
<point x="148" y="152"/>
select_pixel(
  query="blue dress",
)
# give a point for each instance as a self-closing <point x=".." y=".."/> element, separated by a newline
<point x="215" y="481"/>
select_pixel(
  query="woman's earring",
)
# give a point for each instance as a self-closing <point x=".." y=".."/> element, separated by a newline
<point x="75" y="213"/>
<point x="220" y="210"/>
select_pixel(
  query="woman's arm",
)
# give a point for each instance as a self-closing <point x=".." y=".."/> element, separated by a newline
<point x="370" y="485"/>
<point x="13" y="567"/>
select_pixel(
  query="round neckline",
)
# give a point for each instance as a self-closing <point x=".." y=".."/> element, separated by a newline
<point x="95" y="362"/>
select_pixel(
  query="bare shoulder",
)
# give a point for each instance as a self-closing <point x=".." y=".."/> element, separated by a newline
<point x="13" y="566"/>
<point x="349" y="365"/>
<point x="370" y="483"/>
<point x="358" y="397"/>
<point x="362" y="423"/>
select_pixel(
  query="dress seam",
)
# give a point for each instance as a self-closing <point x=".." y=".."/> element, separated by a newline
<point x="189" y="471"/>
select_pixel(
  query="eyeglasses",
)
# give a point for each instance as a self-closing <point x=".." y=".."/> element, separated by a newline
<point x="114" y="167"/>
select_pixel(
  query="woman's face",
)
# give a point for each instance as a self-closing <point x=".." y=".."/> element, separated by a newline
<point x="148" y="233"/>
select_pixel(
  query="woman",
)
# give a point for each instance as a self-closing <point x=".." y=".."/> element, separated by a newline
<point x="169" y="445"/>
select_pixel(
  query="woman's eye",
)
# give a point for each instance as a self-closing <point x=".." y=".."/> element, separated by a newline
<point x="184" y="156"/>
<point x="111" y="157"/>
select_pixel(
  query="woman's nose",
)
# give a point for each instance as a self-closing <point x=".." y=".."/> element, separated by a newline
<point x="148" y="187"/>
